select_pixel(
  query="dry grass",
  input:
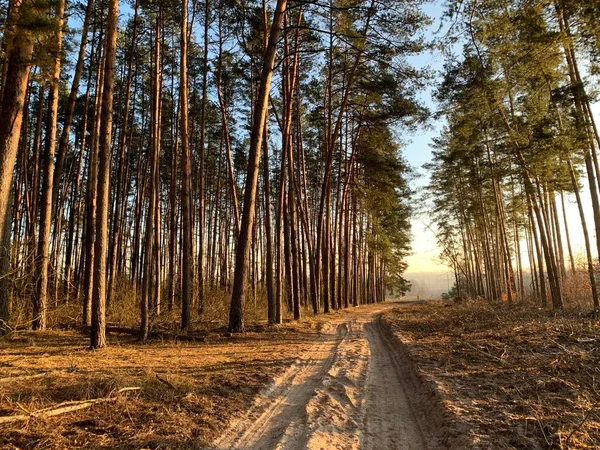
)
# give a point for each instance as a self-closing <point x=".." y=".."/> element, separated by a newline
<point x="203" y="385"/>
<point x="577" y="289"/>
<point x="521" y="378"/>
<point x="124" y="309"/>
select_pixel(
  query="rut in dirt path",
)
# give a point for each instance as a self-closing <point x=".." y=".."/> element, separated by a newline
<point x="391" y="421"/>
<point x="351" y="390"/>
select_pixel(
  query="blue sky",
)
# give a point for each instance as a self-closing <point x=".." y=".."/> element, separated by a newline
<point x="425" y="256"/>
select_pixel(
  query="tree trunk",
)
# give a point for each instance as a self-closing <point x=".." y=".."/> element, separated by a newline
<point x="588" y="248"/>
<point x="14" y="90"/>
<point x="201" y="205"/>
<point x="117" y="230"/>
<point x="151" y="275"/>
<point x="567" y="234"/>
<point x="271" y="307"/>
<point x="68" y="120"/>
<point x="186" y="184"/>
<point x="91" y="199"/>
<point x="236" y="317"/>
<point x="40" y="301"/>
<point x="98" y="326"/>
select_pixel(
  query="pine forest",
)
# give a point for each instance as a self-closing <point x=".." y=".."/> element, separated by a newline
<point x="211" y="213"/>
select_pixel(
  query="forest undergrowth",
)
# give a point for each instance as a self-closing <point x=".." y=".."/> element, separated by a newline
<point x="123" y="312"/>
<point x="519" y="377"/>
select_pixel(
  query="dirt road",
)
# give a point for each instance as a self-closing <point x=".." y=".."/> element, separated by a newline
<point x="352" y="389"/>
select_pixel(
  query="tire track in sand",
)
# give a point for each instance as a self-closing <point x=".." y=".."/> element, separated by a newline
<point x="285" y="403"/>
<point x="352" y="391"/>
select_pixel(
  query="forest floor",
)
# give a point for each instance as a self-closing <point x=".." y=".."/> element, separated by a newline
<point x="518" y="378"/>
<point x="331" y="382"/>
<point x="395" y="375"/>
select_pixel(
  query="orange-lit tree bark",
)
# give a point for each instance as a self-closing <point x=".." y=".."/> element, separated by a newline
<point x="99" y="291"/>
<point x="201" y="156"/>
<point x="186" y="184"/>
<point x="40" y="300"/>
<point x="91" y="197"/>
<point x="14" y="90"/>
<point x="120" y="194"/>
<point x="151" y="268"/>
<point x="236" y="316"/>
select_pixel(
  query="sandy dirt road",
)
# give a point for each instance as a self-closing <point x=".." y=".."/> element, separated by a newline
<point x="351" y="389"/>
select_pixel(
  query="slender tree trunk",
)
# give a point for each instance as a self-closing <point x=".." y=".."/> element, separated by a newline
<point x="151" y="275"/>
<point x="567" y="234"/>
<point x="558" y="235"/>
<point x="116" y="234"/>
<point x="271" y="307"/>
<point x="201" y="205"/>
<point x="287" y="257"/>
<point x="236" y="318"/>
<point x="552" y="276"/>
<point x="173" y="231"/>
<point x="5" y="301"/>
<point x="69" y="113"/>
<point x="99" y="291"/>
<point x="186" y="184"/>
<point x="40" y="302"/>
<point x="588" y="248"/>
<point x="539" y="253"/>
<point x="14" y="90"/>
<point x="91" y="200"/>
<point x="579" y="96"/>
<point x="225" y="131"/>
<point x="32" y="217"/>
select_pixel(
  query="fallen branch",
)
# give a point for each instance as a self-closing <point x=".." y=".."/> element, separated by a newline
<point x="62" y="408"/>
<point x="156" y="334"/>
